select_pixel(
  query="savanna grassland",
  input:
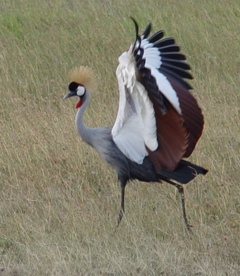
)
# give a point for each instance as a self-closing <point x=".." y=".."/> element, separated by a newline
<point x="58" y="200"/>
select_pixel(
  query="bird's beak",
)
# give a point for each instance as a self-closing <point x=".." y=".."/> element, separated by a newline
<point x="70" y="94"/>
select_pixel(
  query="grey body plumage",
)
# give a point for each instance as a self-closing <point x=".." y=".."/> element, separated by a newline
<point x="159" y="122"/>
<point x="101" y="139"/>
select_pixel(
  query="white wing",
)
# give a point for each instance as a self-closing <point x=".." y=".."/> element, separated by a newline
<point x="135" y="126"/>
<point x="152" y="57"/>
<point x="157" y="114"/>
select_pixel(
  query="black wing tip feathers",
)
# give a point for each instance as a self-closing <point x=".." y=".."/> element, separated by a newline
<point x="147" y="31"/>
<point x="173" y="61"/>
<point x="155" y="37"/>
<point x="135" y="25"/>
<point x="138" y="39"/>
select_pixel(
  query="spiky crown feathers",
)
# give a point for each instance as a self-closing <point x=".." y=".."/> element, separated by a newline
<point x="85" y="76"/>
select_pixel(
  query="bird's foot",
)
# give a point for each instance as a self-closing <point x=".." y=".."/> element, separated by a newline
<point x="189" y="227"/>
<point x="120" y="216"/>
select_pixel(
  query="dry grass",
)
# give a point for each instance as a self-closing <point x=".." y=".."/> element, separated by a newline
<point x="58" y="200"/>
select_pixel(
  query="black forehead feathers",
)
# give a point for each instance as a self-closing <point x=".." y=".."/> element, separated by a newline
<point x="73" y="86"/>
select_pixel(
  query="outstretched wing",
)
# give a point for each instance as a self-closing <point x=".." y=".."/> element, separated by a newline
<point x="157" y="115"/>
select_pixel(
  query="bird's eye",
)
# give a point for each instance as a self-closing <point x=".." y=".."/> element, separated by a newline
<point x="80" y="90"/>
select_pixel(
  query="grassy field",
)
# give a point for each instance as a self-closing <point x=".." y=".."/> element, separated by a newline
<point x="58" y="200"/>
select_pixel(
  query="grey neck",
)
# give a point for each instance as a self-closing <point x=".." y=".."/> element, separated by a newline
<point x="84" y="131"/>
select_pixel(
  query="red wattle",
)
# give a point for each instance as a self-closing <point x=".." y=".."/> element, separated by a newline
<point x="79" y="103"/>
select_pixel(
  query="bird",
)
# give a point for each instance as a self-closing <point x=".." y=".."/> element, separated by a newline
<point x="158" y="122"/>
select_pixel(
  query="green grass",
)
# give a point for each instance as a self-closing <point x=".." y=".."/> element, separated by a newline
<point x="58" y="200"/>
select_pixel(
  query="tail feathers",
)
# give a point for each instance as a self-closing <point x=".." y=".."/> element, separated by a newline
<point x="184" y="173"/>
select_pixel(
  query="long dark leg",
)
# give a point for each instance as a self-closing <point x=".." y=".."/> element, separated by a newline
<point x="122" y="186"/>
<point x="181" y="192"/>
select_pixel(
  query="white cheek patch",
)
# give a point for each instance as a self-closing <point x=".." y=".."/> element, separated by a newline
<point x="80" y="90"/>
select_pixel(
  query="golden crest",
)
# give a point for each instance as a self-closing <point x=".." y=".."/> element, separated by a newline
<point x="85" y="76"/>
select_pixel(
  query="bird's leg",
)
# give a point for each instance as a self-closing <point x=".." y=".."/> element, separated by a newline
<point x="181" y="192"/>
<point x="120" y="215"/>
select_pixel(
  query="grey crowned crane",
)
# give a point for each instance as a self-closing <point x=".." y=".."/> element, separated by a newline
<point x="159" y="121"/>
